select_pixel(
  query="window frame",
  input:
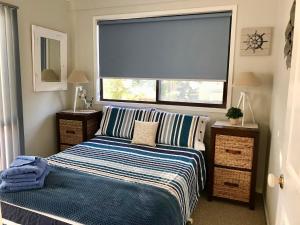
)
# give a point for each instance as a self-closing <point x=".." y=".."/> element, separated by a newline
<point x="227" y="90"/>
<point x="161" y="102"/>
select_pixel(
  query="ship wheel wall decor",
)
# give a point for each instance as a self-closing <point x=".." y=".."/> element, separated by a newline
<point x="256" y="41"/>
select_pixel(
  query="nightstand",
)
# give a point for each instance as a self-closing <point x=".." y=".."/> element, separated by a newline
<point x="233" y="162"/>
<point x="74" y="128"/>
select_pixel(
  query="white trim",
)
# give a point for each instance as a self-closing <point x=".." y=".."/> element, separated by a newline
<point x="266" y="211"/>
<point x="165" y="13"/>
<point x="231" y="56"/>
<point x="162" y="106"/>
<point x="155" y="78"/>
<point x="232" y="8"/>
<point x="96" y="60"/>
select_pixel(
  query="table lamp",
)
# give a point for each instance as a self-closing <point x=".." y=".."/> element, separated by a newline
<point x="246" y="79"/>
<point x="76" y="78"/>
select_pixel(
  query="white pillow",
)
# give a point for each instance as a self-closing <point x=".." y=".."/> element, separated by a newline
<point x="144" y="133"/>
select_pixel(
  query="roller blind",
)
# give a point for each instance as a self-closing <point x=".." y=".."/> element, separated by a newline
<point x="169" y="47"/>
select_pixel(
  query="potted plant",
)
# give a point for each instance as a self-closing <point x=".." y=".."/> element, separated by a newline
<point x="234" y="115"/>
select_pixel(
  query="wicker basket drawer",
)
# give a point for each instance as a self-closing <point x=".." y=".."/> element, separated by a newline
<point x="234" y="151"/>
<point x="232" y="184"/>
<point x="70" y="131"/>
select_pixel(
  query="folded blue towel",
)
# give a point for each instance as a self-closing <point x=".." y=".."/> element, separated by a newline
<point x="25" y="168"/>
<point x="25" y="160"/>
<point x="21" y="186"/>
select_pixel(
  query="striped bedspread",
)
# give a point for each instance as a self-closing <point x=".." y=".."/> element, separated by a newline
<point x="179" y="171"/>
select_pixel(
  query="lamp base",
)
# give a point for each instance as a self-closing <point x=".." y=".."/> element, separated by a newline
<point x="244" y="99"/>
<point x="77" y="89"/>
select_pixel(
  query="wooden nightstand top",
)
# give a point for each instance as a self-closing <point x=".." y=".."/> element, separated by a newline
<point x="69" y="114"/>
<point x="226" y="124"/>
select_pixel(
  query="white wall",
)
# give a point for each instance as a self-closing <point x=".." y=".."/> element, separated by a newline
<point x="278" y="110"/>
<point x="250" y="13"/>
<point x="39" y="108"/>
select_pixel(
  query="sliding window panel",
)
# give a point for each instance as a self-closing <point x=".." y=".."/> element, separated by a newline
<point x="128" y="90"/>
<point x="170" y="47"/>
<point x="206" y="92"/>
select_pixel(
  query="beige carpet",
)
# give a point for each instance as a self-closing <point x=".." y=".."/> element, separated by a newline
<point x="224" y="213"/>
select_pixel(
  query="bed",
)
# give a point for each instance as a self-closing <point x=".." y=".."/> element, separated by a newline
<point x="109" y="181"/>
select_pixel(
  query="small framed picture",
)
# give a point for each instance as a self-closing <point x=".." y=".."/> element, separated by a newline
<point x="256" y="41"/>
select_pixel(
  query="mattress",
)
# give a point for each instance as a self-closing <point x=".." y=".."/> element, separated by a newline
<point x="145" y="178"/>
<point x="15" y="215"/>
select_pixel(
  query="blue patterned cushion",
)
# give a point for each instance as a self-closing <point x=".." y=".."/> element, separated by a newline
<point x="175" y="129"/>
<point x="119" y="122"/>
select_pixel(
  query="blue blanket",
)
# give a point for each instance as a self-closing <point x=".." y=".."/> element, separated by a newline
<point x="97" y="200"/>
<point x="116" y="182"/>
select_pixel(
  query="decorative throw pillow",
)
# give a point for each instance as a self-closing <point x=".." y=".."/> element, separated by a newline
<point x="119" y="122"/>
<point x="177" y="129"/>
<point x="144" y="133"/>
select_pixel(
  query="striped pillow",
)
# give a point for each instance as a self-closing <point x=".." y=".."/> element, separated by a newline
<point x="175" y="129"/>
<point x="119" y="122"/>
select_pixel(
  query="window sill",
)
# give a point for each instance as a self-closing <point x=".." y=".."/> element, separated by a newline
<point x="164" y="107"/>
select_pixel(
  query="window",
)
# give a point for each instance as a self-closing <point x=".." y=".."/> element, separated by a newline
<point x="174" y="92"/>
<point x="176" y="60"/>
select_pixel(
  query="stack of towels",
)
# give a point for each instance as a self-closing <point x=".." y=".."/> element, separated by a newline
<point x="26" y="172"/>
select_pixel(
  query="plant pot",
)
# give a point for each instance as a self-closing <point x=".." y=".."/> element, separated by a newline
<point x="234" y="121"/>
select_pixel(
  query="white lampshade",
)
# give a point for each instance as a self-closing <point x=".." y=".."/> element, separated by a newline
<point x="247" y="79"/>
<point x="77" y="77"/>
